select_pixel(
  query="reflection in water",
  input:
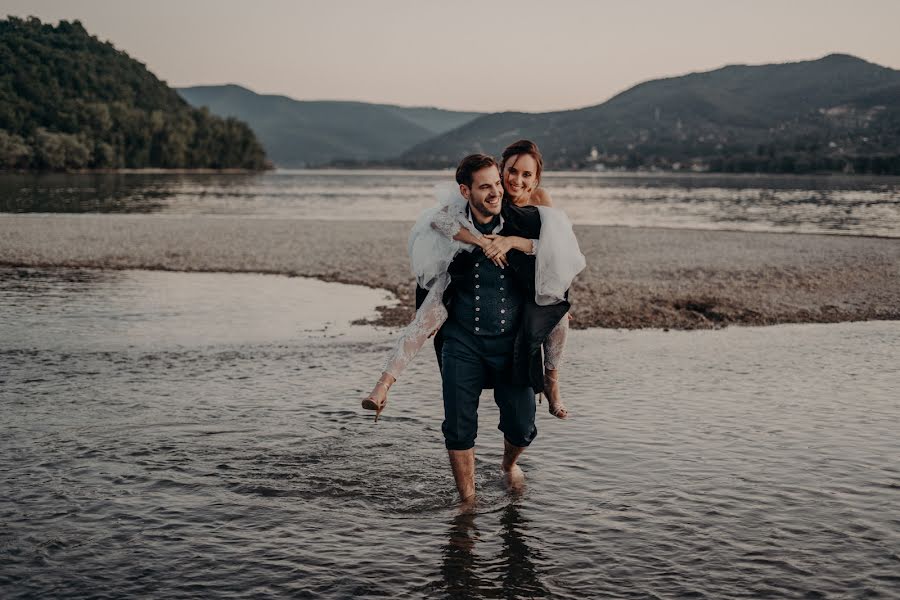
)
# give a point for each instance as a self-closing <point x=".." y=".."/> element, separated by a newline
<point x="521" y="576"/>
<point x="466" y="575"/>
<point x="34" y="283"/>
<point x="110" y="192"/>
<point x="107" y="308"/>
<point x="459" y="565"/>
<point x="74" y="193"/>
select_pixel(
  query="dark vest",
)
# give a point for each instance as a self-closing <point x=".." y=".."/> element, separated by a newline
<point x="486" y="301"/>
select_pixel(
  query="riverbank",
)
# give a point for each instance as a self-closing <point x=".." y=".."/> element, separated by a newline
<point x="636" y="277"/>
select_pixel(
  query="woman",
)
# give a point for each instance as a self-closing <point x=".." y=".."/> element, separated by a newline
<point x="443" y="231"/>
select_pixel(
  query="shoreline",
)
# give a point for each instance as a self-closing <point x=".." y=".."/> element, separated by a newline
<point x="636" y="277"/>
<point x="141" y="171"/>
<point x="610" y="173"/>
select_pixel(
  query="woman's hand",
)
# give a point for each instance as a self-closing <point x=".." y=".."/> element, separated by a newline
<point x="501" y="244"/>
<point x="495" y="248"/>
<point x="485" y="242"/>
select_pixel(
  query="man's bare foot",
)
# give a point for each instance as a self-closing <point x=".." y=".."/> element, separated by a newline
<point x="554" y="402"/>
<point x="514" y="478"/>
<point x="467" y="506"/>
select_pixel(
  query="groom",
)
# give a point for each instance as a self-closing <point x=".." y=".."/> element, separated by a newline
<point x="493" y="335"/>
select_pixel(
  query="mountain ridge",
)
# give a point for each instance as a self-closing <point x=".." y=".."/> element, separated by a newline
<point x="736" y="117"/>
<point x="314" y="132"/>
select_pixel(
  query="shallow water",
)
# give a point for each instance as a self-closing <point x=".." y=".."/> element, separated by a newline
<point x="180" y="435"/>
<point x="857" y="205"/>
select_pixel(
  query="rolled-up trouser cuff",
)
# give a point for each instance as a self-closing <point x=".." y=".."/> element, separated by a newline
<point x="459" y="445"/>
<point x="521" y="443"/>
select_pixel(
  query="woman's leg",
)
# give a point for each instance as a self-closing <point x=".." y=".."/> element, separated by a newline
<point x="554" y="346"/>
<point x="429" y="318"/>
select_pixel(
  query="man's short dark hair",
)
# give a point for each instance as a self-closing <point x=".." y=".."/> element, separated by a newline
<point x="472" y="164"/>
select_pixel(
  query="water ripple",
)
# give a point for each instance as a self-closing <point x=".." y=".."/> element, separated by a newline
<point x="736" y="463"/>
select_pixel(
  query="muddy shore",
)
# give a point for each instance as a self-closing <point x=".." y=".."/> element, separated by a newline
<point x="636" y="277"/>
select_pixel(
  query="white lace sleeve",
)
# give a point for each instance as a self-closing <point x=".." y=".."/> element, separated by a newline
<point x="429" y="317"/>
<point x="431" y="250"/>
<point x="446" y="222"/>
<point x="558" y="259"/>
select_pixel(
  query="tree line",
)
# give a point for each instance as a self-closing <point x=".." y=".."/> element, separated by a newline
<point x="69" y="101"/>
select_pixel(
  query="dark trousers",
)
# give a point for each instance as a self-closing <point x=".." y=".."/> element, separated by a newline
<point x="470" y="364"/>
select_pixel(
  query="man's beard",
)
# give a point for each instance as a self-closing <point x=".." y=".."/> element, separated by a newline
<point x="482" y="210"/>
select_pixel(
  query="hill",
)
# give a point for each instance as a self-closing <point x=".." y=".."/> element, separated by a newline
<point x="835" y="113"/>
<point x="70" y="101"/>
<point x="308" y="133"/>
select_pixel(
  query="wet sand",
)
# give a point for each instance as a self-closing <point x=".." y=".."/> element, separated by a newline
<point x="636" y="277"/>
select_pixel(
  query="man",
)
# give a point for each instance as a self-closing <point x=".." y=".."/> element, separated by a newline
<point x="493" y="335"/>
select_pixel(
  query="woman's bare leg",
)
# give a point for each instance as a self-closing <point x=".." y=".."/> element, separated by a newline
<point x="429" y="318"/>
<point x="553" y="353"/>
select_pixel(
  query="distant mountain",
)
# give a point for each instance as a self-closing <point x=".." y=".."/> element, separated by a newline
<point x="70" y="101"/>
<point x="835" y="113"/>
<point x="307" y="133"/>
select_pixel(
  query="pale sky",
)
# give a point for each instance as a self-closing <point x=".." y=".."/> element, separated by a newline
<point x="465" y="55"/>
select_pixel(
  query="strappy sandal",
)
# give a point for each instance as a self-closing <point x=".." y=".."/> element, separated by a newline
<point x="370" y="403"/>
<point x="557" y="408"/>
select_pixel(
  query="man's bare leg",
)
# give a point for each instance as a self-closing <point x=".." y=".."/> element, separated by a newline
<point x="512" y="473"/>
<point x="462" y="462"/>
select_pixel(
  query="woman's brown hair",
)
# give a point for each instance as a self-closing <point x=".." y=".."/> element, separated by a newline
<point x="524" y="147"/>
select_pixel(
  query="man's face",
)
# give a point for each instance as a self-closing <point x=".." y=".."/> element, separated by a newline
<point x="486" y="194"/>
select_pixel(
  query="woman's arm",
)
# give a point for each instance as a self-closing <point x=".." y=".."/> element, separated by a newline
<point x="467" y="237"/>
<point x="501" y="244"/>
<point x="449" y="222"/>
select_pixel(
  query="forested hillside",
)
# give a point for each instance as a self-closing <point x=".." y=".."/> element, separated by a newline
<point x="70" y="101"/>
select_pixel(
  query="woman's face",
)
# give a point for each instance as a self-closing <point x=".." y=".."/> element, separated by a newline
<point x="520" y="175"/>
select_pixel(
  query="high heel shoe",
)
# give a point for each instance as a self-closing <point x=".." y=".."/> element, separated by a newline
<point x="370" y="403"/>
<point x="554" y="403"/>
